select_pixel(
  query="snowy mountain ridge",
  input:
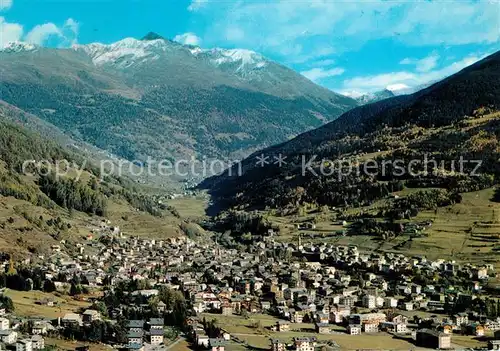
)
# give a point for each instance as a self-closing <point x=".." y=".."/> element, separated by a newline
<point x="130" y="51"/>
<point x="368" y="98"/>
<point x="18" y="46"/>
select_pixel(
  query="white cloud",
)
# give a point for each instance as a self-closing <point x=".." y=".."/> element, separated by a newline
<point x="297" y="54"/>
<point x="404" y="79"/>
<point x="407" y="61"/>
<point x="234" y="34"/>
<point x="397" y="86"/>
<point x="188" y="39"/>
<point x="327" y="62"/>
<point x="423" y="65"/>
<point x="435" y="23"/>
<point x="196" y="4"/>
<point x="317" y="74"/>
<point x="9" y="32"/>
<point x="63" y="36"/>
<point x="42" y="32"/>
<point x="428" y="63"/>
<point x="281" y="26"/>
<point x="352" y="93"/>
<point x="70" y="32"/>
<point x="72" y="25"/>
<point x="378" y="82"/>
<point x="5" y="4"/>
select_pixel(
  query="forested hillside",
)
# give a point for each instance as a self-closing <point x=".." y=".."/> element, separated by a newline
<point x="38" y="207"/>
<point x="452" y="120"/>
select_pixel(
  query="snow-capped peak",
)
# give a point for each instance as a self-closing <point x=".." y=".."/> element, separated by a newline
<point x="18" y="46"/>
<point x="125" y="52"/>
<point x="246" y="58"/>
<point x="353" y="94"/>
<point x="366" y="98"/>
<point x="403" y="89"/>
<point x="130" y="52"/>
<point x="195" y="50"/>
<point x="397" y="88"/>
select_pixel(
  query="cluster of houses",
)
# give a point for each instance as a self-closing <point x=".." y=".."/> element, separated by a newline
<point x="201" y="339"/>
<point x="333" y="284"/>
<point x="298" y="344"/>
<point x="323" y="284"/>
<point x="139" y="331"/>
<point x="26" y="334"/>
<point x="11" y="336"/>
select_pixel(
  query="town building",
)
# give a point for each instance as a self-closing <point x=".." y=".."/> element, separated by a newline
<point x="4" y="324"/>
<point x="156" y="336"/>
<point x="90" y="316"/>
<point x="433" y="339"/>
<point x="217" y="344"/>
<point x="135" y="337"/>
<point x="282" y="326"/>
<point x="277" y="345"/>
<point x="304" y="343"/>
<point x="38" y="342"/>
<point x="322" y="328"/>
<point x="354" y="329"/>
<point x="24" y="345"/>
<point x="8" y="336"/>
<point x="369" y="301"/>
<point x="494" y="345"/>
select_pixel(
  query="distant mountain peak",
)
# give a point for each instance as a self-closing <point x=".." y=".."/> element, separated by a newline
<point x="245" y="65"/>
<point x="368" y="98"/>
<point x="18" y="46"/>
<point x="129" y="52"/>
<point x="126" y="52"/>
<point x="396" y="88"/>
<point x="245" y="60"/>
<point x="152" y="36"/>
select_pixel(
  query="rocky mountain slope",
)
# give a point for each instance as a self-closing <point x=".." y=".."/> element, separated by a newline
<point x="452" y="120"/>
<point x="157" y="98"/>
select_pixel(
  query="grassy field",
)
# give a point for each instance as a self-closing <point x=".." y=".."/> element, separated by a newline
<point x="145" y="225"/>
<point x="465" y="232"/>
<point x="24" y="303"/>
<point x="245" y="331"/>
<point x="142" y="224"/>
<point x="469" y="342"/>
<point x="180" y="346"/>
<point x="379" y="341"/>
<point x="60" y="344"/>
<point x="20" y="230"/>
<point x="190" y="207"/>
<point x="23" y="226"/>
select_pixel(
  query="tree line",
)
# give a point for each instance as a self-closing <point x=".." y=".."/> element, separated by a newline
<point x="72" y="194"/>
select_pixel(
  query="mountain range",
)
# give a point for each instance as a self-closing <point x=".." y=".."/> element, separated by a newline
<point x="456" y="118"/>
<point x="157" y="98"/>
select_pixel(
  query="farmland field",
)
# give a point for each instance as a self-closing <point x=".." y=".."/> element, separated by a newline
<point x="24" y="303"/>
<point x="61" y="344"/>
<point x="466" y="232"/>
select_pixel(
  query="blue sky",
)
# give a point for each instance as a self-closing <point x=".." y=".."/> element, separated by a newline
<point x="348" y="46"/>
